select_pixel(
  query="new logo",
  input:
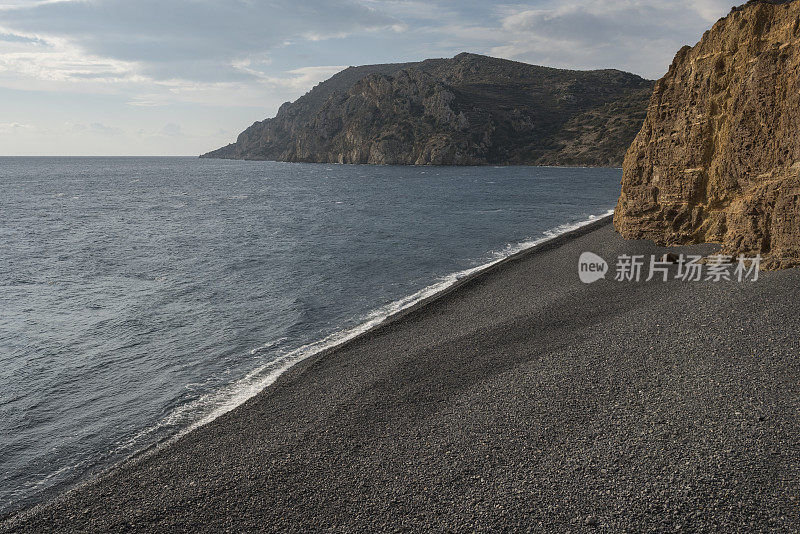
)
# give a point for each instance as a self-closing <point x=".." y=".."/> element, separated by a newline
<point x="591" y="267"/>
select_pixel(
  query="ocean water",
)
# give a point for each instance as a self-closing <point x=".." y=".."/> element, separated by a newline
<point x="140" y="297"/>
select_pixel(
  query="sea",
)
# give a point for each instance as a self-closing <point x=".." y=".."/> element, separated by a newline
<point x="142" y="297"/>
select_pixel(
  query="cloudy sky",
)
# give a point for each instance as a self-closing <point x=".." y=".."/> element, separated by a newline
<point x="163" y="77"/>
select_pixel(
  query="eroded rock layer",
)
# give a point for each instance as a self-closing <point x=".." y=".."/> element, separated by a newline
<point x="718" y="157"/>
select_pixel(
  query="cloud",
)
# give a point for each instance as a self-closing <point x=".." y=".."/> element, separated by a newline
<point x="411" y="10"/>
<point x="15" y="38"/>
<point x="171" y="130"/>
<point x="150" y="100"/>
<point x="635" y="35"/>
<point x="98" y="128"/>
<point x="14" y="127"/>
<point x="58" y="61"/>
<point x="190" y="39"/>
<point x="303" y="78"/>
<point x="198" y="49"/>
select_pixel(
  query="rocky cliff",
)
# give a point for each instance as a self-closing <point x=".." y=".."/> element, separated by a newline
<point x="468" y="110"/>
<point x="718" y="157"/>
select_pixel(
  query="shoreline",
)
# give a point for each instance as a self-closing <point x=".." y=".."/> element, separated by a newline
<point x="424" y="166"/>
<point x="286" y="362"/>
<point x="421" y="298"/>
<point x="512" y="358"/>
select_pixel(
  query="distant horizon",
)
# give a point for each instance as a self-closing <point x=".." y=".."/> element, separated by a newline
<point x="117" y="79"/>
<point x="100" y="156"/>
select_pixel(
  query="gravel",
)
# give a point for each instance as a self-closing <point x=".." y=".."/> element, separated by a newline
<point x="522" y="400"/>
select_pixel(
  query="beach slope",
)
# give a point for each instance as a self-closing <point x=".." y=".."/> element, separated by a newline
<point x="520" y="400"/>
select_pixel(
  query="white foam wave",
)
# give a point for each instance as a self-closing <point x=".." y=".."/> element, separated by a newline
<point x="214" y="404"/>
<point x="267" y="346"/>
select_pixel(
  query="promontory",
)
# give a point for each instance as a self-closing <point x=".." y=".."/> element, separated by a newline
<point x="467" y="110"/>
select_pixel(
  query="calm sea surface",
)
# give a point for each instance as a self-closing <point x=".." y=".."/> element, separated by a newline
<point x="141" y="296"/>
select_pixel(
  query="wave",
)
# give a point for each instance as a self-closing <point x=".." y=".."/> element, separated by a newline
<point x="209" y="406"/>
<point x="266" y="347"/>
<point x="214" y="404"/>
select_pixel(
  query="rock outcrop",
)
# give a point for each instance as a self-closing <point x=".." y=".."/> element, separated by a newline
<point x="468" y="110"/>
<point x="718" y="157"/>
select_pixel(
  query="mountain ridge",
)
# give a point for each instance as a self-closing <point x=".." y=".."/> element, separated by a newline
<point x="466" y="110"/>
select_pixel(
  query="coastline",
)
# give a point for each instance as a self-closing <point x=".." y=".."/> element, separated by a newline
<point x="344" y="412"/>
<point x="241" y="391"/>
<point x="394" y="311"/>
<point x="426" y="166"/>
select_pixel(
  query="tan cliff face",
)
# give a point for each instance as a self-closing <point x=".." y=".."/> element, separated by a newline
<point x="718" y="157"/>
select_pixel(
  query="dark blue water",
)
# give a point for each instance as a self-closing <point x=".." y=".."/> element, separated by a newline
<point x="141" y="296"/>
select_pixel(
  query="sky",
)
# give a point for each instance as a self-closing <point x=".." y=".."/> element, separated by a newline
<point x="182" y="77"/>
